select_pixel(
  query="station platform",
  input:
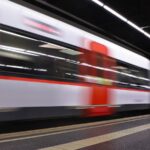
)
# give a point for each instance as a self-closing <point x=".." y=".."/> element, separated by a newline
<point x="131" y="133"/>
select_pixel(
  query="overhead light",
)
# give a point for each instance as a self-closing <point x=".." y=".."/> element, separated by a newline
<point x="118" y="15"/>
<point x="135" y="26"/>
<point x="98" y="2"/>
<point x="115" y="13"/>
<point x="138" y="28"/>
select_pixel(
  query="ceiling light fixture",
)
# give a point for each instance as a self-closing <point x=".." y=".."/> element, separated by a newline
<point x="115" y="13"/>
<point x="98" y="2"/>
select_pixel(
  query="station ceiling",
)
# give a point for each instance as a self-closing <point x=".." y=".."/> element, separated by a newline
<point x="94" y="17"/>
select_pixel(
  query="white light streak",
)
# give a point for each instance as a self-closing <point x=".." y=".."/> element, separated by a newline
<point x="22" y="67"/>
<point x="118" y="15"/>
<point x="98" y="2"/>
<point x="18" y="67"/>
<point x="16" y="50"/>
<point x="39" y="69"/>
<point x="115" y="13"/>
<point x="115" y="71"/>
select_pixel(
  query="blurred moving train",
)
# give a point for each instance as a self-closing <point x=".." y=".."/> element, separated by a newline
<point x="49" y="68"/>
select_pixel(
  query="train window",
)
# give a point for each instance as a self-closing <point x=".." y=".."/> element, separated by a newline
<point x="105" y="74"/>
<point x="131" y="76"/>
<point x="100" y="71"/>
<point x="109" y="73"/>
<point x="23" y="56"/>
<point x="95" y="68"/>
<point x="91" y="67"/>
<point x="87" y="68"/>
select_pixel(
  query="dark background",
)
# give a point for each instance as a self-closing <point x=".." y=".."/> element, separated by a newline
<point x="90" y="15"/>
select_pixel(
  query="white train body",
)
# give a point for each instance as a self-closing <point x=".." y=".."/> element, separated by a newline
<point x="97" y="95"/>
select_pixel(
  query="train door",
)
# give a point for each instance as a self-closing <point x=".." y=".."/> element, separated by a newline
<point x="100" y="80"/>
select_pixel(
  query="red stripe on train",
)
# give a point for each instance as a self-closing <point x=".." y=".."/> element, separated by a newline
<point x="69" y="83"/>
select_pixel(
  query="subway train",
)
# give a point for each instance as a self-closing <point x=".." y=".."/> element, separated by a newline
<point x="51" y="68"/>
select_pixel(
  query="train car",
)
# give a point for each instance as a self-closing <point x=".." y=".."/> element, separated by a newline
<point x="49" y="68"/>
